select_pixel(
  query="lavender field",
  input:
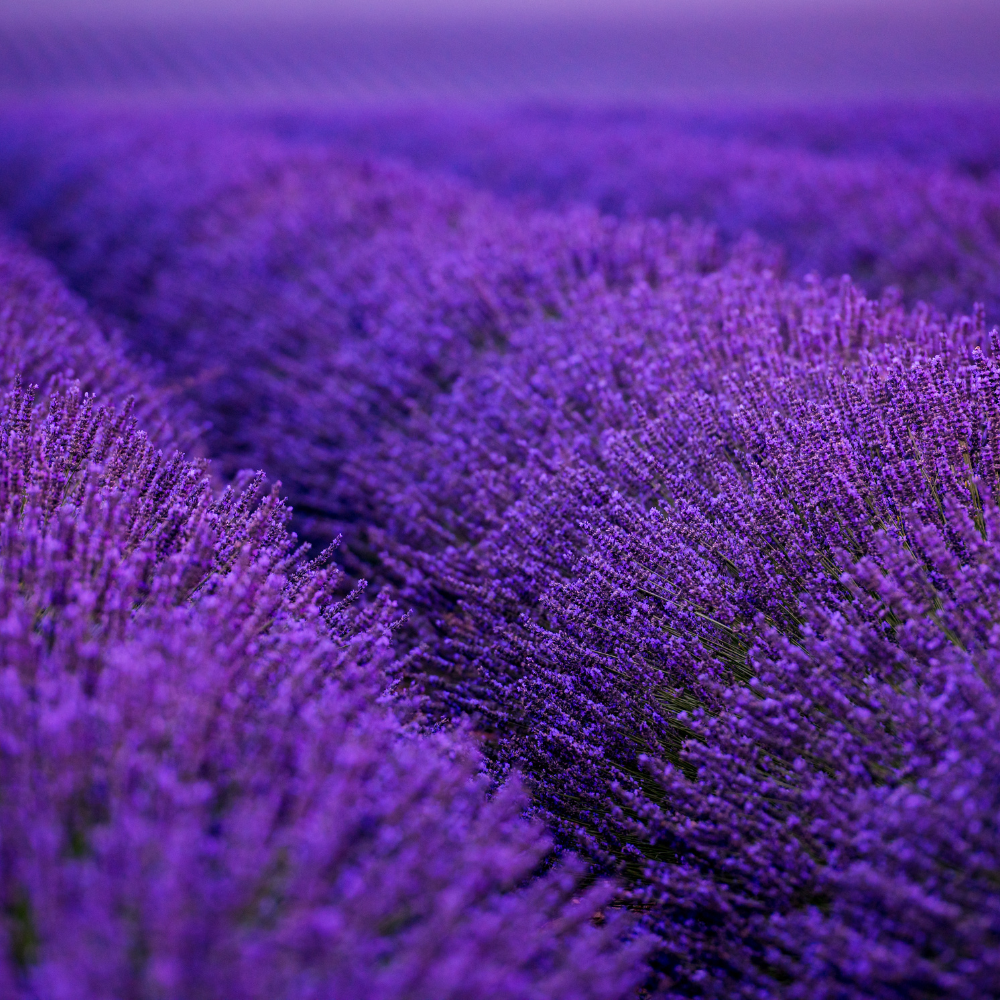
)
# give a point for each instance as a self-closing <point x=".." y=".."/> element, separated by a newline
<point x="548" y="552"/>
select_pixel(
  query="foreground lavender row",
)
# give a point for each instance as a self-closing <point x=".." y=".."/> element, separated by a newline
<point x="746" y="540"/>
<point x="207" y="792"/>
<point x="744" y="652"/>
<point x="708" y="556"/>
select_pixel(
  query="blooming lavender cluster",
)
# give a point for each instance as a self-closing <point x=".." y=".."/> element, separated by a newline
<point x="729" y="617"/>
<point x="707" y="555"/>
<point x="50" y="339"/>
<point x="208" y="787"/>
<point x="961" y="136"/>
<point x="728" y="644"/>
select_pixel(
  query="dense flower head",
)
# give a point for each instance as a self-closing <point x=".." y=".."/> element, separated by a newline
<point x="209" y="789"/>
<point x="720" y="600"/>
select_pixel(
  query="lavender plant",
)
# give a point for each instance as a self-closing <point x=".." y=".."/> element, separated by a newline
<point x="304" y="295"/>
<point x="207" y="790"/>
<point x="667" y="621"/>
<point x="707" y="555"/>
<point x="798" y="690"/>
<point x="47" y="336"/>
<point x="891" y="195"/>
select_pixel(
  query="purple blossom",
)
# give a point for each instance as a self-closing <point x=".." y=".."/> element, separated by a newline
<point x="749" y="599"/>
<point x="707" y="555"/>
<point x="47" y="336"/>
<point x="207" y="788"/>
<point x="905" y="196"/>
<point x="299" y="294"/>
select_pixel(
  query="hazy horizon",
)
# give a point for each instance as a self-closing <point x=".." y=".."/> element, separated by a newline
<point x="438" y="12"/>
<point x="516" y="49"/>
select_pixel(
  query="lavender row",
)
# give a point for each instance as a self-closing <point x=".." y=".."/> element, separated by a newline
<point x="209" y="789"/>
<point x="736" y="624"/>
<point x="960" y="136"/>
<point x="890" y="195"/>
<point x="49" y="338"/>
<point x="305" y="295"/>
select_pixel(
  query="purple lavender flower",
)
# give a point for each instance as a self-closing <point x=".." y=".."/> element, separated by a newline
<point x="605" y="590"/>
<point x="299" y="294"/>
<point x="207" y="790"/>
<point x="706" y="554"/>
<point x="653" y="592"/>
<point x="47" y="336"/>
<point x="895" y="195"/>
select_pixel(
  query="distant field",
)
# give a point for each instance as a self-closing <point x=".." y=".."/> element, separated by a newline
<point x="819" y="57"/>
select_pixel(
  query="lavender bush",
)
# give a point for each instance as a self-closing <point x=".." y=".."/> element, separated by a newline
<point x="207" y="791"/>
<point x="48" y="337"/>
<point x="648" y="606"/>
<point x="891" y="197"/>
<point x="306" y="295"/>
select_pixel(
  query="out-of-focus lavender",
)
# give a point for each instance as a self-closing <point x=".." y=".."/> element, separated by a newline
<point x="207" y="790"/>
<point x="49" y="337"/>
<point x="963" y="136"/>
<point x="301" y="294"/>
<point x="896" y="195"/>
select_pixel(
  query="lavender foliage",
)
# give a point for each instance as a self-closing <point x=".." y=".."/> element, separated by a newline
<point x="707" y="554"/>
<point x="705" y="652"/>
<point x="207" y="790"/>
<point x="47" y="336"/>
<point x="306" y="295"/>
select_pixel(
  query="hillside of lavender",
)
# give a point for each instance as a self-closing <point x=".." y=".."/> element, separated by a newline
<point x="549" y="553"/>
